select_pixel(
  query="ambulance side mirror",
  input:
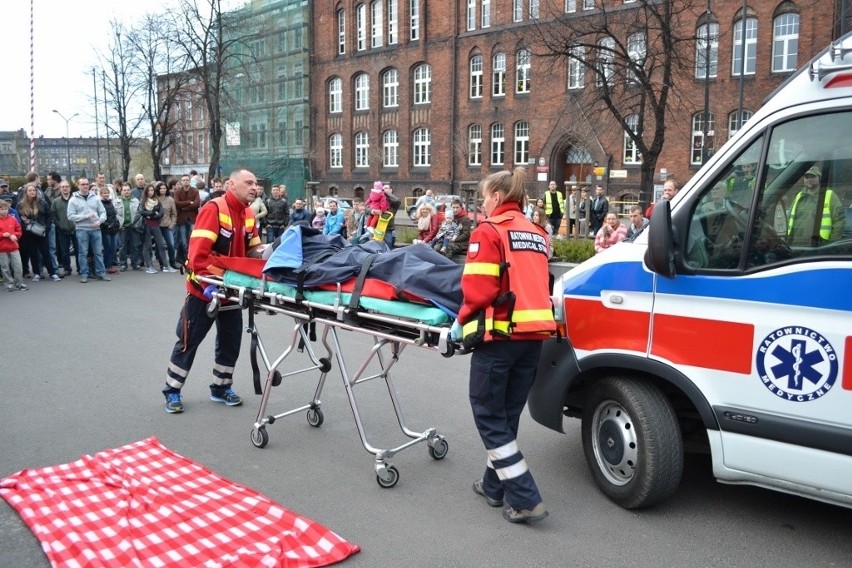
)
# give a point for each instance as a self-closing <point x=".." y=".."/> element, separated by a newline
<point x="660" y="257"/>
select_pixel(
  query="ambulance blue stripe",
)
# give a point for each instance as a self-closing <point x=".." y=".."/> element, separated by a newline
<point x="815" y="287"/>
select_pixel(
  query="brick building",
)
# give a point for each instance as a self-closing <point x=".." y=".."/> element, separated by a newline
<point x="438" y="94"/>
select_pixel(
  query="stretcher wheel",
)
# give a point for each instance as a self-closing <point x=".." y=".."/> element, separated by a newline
<point x="259" y="437"/>
<point x="391" y="476"/>
<point x="451" y="350"/>
<point x="276" y="378"/>
<point x="213" y="308"/>
<point x="325" y="365"/>
<point x="438" y="449"/>
<point x="315" y="417"/>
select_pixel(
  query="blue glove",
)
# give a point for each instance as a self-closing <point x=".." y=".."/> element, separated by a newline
<point x="456" y="331"/>
<point x="210" y="290"/>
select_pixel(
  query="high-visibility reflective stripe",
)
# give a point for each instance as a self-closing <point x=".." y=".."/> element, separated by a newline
<point x="225" y="219"/>
<point x="203" y="234"/>
<point x="504" y="451"/>
<point x="249" y="223"/>
<point x="175" y="384"/>
<point x="488" y="464"/>
<point x="254" y="242"/>
<point x="512" y="471"/>
<point x="177" y="370"/>
<point x="223" y="368"/>
<point x="521" y="316"/>
<point x="482" y="269"/>
<point x="222" y="382"/>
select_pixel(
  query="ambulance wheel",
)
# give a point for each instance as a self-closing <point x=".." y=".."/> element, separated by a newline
<point x="259" y="437"/>
<point x="632" y="442"/>
<point x="387" y="477"/>
<point x="438" y="450"/>
<point x="315" y="417"/>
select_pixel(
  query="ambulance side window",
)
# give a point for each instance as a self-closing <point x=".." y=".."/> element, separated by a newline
<point x="802" y="210"/>
<point x="718" y="226"/>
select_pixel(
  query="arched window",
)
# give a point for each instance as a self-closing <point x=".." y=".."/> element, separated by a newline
<point x="498" y="144"/>
<point x="361" y="26"/>
<point x="362" y="150"/>
<point x="377" y="25"/>
<point x="362" y="91"/>
<point x="745" y="46"/>
<point x="631" y="154"/>
<point x="474" y="145"/>
<point x="422" y="84"/>
<point x="707" y="50"/>
<point x="335" y="151"/>
<point x="341" y="32"/>
<point x="498" y="74"/>
<point x="785" y="43"/>
<point x="335" y="95"/>
<point x="522" y="143"/>
<point x="476" y="77"/>
<point x="700" y="144"/>
<point x="390" y="149"/>
<point x="522" y="69"/>
<point x="636" y="50"/>
<point x="606" y="57"/>
<point x="390" y="88"/>
<point x="576" y="67"/>
<point x="422" y="147"/>
<point x="735" y="122"/>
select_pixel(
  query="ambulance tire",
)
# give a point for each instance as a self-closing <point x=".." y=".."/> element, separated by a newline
<point x="632" y="442"/>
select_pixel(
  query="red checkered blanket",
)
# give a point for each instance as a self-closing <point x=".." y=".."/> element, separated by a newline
<point x="144" y="505"/>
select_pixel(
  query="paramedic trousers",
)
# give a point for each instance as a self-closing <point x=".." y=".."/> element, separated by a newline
<point x="501" y="375"/>
<point x="192" y="327"/>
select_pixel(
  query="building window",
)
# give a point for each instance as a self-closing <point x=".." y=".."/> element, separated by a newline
<point x="570" y="6"/>
<point x="299" y="134"/>
<point x="576" y="67"/>
<point x="390" y="88"/>
<point x="750" y="46"/>
<point x="707" y="63"/>
<point x="335" y="151"/>
<point x="341" y="32"/>
<point x="486" y="13"/>
<point x="362" y="150"/>
<point x="422" y="147"/>
<point x="498" y="144"/>
<point x="282" y="134"/>
<point x="522" y="65"/>
<point x="390" y="149"/>
<point x="476" y="77"/>
<point x="474" y="145"/>
<point x="588" y="4"/>
<point x="393" y="22"/>
<point x="735" y="122"/>
<point x="522" y="143"/>
<point x="534" y="9"/>
<point x="361" y="26"/>
<point x="377" y="25"/>
<point x="471" y="15"/>
<point x="636" y="50"/>
<point x="422" y="84"/>
<point x="362" y="92"/>
<point x="298" y="81"/>
<point x="785" y="43"/>
<point x="335" y="95"/>
<point x="517" y="10"/>
<point x="631" y="154"/>
<point x="699" y="143"/>
<point x="606" y="58"/>
<point x="414" y="19"/>
<point x="498" y="74"/>
<point x="258" y="136"/>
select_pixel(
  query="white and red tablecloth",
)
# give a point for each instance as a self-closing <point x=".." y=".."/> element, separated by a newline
<point x="144" y="505"/>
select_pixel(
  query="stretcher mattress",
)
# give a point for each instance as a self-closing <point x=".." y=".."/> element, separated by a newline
<point x="416" y="312"/>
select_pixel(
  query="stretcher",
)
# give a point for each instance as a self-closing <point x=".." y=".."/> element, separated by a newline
<point x="392" y="325"/>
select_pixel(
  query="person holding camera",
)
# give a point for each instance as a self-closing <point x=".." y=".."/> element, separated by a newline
<point x="610" y="233"/>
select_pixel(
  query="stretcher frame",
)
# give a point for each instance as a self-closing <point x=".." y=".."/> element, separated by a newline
<point x="393" y="332"/>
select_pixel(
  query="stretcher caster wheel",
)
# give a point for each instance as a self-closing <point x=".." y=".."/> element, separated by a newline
<point x="387" y="476"/>
<point x="325" y="365"/>
<point x="276" y="378"/>
<point x="451" y="350"/>
<point x="438" y="449"/>
<point x="315" y="417"/>
<point x="259" y="437"/>
<point x="213" y="309"/>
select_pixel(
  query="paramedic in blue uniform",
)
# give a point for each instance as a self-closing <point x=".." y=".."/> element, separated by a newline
<point x="505" y="316"/>
<point x="225" y="226"/>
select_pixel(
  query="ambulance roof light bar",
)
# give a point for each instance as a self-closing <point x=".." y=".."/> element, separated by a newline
<point x="819" y="69"/>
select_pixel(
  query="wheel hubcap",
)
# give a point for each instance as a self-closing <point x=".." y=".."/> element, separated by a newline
<point x="614" y="443"/>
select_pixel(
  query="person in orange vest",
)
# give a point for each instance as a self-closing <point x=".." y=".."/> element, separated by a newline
<point x="225" y="226"/>
<point x="505" y="316"/>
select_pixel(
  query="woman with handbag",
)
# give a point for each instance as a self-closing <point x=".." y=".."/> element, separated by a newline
<point x="151" y="211"/>
<point x="35" y="218"/>
<point x="109" y="231"/>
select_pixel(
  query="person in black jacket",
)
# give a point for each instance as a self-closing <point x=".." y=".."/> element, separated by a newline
<point x="152" y="210"/>
<point x="278" y="214"/>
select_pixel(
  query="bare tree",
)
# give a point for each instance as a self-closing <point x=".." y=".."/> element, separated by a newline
<point x="122" y="93"/>
<point x="635" y="52"/>
<point x="161" y="83"/>
<point x="211" y="47"/>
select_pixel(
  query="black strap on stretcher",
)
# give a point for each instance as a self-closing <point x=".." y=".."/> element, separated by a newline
<point x="255" y="368"/>
<point x="355" y="299"/>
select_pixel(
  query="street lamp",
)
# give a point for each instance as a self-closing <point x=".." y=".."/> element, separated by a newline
<point x="67" y="139"/>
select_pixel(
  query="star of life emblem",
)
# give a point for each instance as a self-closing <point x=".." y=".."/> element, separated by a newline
<point x="797" y="364"/>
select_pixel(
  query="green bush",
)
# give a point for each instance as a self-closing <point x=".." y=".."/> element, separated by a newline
<point x="573" y="250"/>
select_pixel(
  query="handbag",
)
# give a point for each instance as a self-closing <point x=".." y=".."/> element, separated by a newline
<point x="37" y="229"/>
<point x="139" y="224"/>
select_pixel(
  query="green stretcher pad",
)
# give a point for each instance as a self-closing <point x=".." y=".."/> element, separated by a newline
<point x="418" y="312"/>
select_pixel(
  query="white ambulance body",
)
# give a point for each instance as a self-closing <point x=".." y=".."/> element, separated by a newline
<point x="727" y="324"/>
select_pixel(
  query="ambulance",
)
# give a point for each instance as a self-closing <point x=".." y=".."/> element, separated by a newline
<point x="726" y="326"/>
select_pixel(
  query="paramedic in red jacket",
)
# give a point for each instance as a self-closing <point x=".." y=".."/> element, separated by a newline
<point x="225" y="226"/>
<point x="506" y="304"/>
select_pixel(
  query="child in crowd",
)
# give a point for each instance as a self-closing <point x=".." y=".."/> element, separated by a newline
<point x="318" y="221"/>
<point x="377" y="200"/>
<point x="445" y="234"/>
<point x="10" y="257"/>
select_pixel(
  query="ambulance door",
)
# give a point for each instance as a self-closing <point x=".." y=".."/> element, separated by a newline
<point x="759" y="314"/>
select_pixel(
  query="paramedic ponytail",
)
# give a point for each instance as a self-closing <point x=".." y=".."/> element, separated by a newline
<point x="509" y="184"/>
